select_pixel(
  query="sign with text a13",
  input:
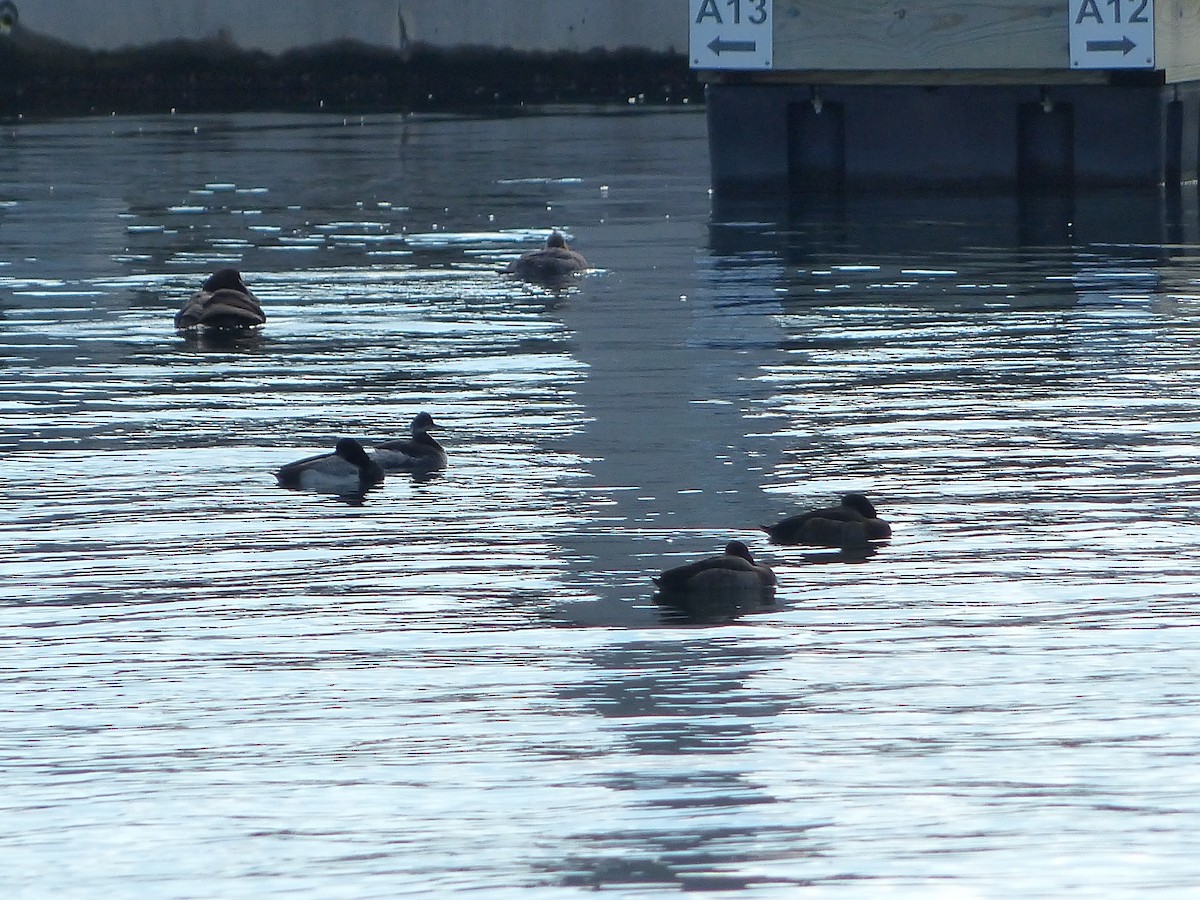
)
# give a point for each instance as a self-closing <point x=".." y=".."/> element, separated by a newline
<point x="730" y="34"/>
<point x="1111" y="34"/>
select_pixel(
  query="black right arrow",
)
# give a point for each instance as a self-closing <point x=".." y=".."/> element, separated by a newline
<point x="1124" y="45"/>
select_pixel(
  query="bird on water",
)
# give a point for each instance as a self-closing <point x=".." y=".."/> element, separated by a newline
<point x="223" y="302"/>
<point x="733" y="573"/>
<point x="347" y="470"/>
<point x="553" y="263"/>
<point x="852" y="523"/>
<point x="420" y="451"/>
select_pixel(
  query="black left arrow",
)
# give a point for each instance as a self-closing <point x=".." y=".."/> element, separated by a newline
<point x="716" y="45"/>
<point x="1124" y="45"/>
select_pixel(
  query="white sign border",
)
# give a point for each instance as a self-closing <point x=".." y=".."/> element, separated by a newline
<point x="1088" y="25"/>
<point x="721" y="46"/>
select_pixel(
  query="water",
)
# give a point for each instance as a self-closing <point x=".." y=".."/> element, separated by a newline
<point x="218" y="688"/>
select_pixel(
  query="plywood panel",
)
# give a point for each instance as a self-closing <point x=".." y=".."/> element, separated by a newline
<point x="920" y="34"/>
<point x="1177" y="37"/>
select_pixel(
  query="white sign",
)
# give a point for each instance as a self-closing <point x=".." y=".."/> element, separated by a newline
<point x="1112" y="34"/>
<point x="730" y="34"/>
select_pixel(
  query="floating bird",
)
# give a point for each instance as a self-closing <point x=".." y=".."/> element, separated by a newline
<point x="554" y="262"/>
<point x="347" y="470"/>
<point x="223" y="301"/>
<point x="419" y="452"/>
<point x="719" y="586"/>
<point x="853" y="523"/>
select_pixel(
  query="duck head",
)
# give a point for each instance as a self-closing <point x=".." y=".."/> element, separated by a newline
<point x="422" y="423"/>
<point x="737" y="548"/>
<point x="860" y="504"/>
<point x="352" y="452"/>
<point x="225" y="280"/>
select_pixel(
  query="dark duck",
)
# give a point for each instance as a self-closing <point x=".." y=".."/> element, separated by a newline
<point x="347" y="470"/>
<point x="420" y="451"/>
<point x="853" y="523"/>
<point x="728" y="584"/>
<point x="223" y="302"/>
<point x="553" y="263"/>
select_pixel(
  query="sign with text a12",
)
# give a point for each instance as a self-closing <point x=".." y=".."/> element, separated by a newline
<point x="1111" y="34"/>
<point x="730" y="34"/>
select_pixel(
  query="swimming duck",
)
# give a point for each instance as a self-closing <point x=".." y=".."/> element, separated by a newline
<point x="223" y="301"/>
<point x="553" y="262"/>
<point x="347" y="470"/>
<point x="419" y="452"/>
<point x="732" y="574"/>
<point x="853" y="523"/>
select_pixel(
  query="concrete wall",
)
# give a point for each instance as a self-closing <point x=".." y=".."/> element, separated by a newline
<point x="278" y="25"/>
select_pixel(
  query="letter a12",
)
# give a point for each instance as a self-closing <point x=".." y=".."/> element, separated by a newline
<point x="1111" y="34"/>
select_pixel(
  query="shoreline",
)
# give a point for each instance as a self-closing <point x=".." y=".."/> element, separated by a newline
<point x="46" y="78"/>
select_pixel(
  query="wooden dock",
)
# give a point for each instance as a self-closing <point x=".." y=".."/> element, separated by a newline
<point x="936" y="92"/>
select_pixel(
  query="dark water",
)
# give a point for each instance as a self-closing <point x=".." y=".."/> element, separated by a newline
<point x="217" y="688"/>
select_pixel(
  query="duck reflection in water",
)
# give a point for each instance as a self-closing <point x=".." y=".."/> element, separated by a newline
<point x="348" y="471"/>
<point x="222" y="340"/>
<point x="718" y="588"/>
<point x="837" y="555"/>
<point x="553" y="265"/>
<point x="223" y="303"/>
<point x="852" y="524"/>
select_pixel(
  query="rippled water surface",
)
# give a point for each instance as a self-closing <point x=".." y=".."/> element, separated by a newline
<point x="214" y="687"/>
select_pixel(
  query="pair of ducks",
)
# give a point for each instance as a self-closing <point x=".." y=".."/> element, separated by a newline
<point x="349" y="469"/>
<point x="224" y="302"/>
<point x="733" y="582"/>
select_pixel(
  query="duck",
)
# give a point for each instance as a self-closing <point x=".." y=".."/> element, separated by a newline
<point x="418" y="452"/>
<point x="347" y="470"/>
<point x="732" y="577"/>
<point x="853" y="523"/>
<point x="554" y="262"/>
<point x="223" y="301"/>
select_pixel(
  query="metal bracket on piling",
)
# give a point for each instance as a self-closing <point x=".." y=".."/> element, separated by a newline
<point x="8" y="17"/>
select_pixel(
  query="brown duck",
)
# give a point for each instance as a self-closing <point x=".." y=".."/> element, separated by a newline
<point x="224" y="302"/>
<point x="420" y="451"/>
<point x="733" y="571"/>
<point x="851" y="524"/>
<point x="554" y="262"/>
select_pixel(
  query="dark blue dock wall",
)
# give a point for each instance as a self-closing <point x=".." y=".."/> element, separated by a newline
<point x="936" y="92"/>
<point x="766" y="138"/>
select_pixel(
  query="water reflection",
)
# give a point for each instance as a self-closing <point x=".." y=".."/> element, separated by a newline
<point x="710" y="608"/>
<point x="838" y="555"/>
<point x="222" y="340"/>
<point x="684" y="712"/>
<point x="475" y="660"/>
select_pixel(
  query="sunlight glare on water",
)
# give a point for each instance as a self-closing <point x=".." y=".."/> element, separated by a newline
<point x="220" y="688"/>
